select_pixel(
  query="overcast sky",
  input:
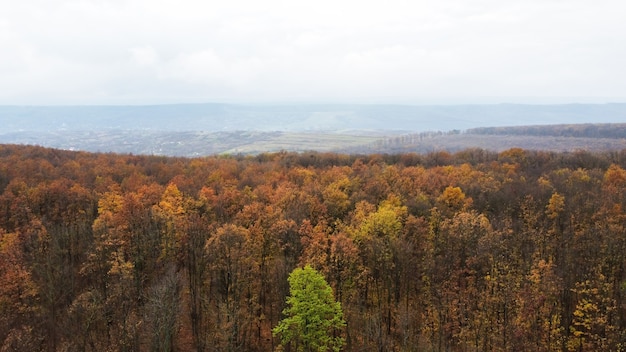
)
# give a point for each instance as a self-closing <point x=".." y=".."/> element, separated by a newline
<point x="270" y="51"/>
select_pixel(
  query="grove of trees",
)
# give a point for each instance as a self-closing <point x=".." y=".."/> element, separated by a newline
<point x="473" y="251"/>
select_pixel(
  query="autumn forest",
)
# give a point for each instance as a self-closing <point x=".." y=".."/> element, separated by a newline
<point x="472" y="251"/>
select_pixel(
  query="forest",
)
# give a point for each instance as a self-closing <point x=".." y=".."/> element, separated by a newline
<point x="596" y="137"/>
<point x="589" y="130"/>
<point x="475" y="250"/>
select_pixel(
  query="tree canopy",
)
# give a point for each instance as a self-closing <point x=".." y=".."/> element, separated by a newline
<point x="472" y="251"/>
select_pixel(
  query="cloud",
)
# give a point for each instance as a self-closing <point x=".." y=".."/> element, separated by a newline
<point x="144" y="56"/>
<point x="164" y="50"/>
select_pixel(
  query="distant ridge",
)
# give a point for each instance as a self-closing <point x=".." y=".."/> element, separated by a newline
<point x="206" y="129"/>
<point x="586" y="130"/>
<point x="335" y="118"/>
<point x="556" y="138"/>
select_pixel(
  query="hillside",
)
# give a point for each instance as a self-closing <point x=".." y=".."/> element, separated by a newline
<point x="190" y="144"/>
<point x="299" y="118"/>
<point x="209" y="129"/>
<point x="557" y="138"/>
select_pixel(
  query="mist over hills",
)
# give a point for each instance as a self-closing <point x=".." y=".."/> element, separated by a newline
<point x="299" y="118"/>
<point x="206" y="129"/>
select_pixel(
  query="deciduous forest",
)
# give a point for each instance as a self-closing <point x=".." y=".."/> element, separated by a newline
<point x="472" y="251"/>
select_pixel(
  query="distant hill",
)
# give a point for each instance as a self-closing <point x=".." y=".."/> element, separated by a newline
<point x="558" y="138"/>
<point x="207" y="129"/>
<point x="587" y="130"/>
<point x="189" y="144"/>
<point x="299" y="118"/>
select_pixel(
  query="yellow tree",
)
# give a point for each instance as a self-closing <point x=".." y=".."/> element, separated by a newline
<point x="538" y="322"/>
<point x="171" y="212"/>
<point x="593" y="324"/>
<point x="377" y="237"/>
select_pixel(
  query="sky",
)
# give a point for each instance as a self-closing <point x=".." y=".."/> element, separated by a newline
<point x="59" y="52"/>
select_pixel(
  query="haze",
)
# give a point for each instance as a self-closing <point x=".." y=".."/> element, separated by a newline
<point x="450" y="51"/>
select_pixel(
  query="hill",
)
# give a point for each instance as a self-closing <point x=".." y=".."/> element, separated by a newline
<point x="557" y="138"/>
<point x="299" y="118"/>
<point x="207" y="129"/>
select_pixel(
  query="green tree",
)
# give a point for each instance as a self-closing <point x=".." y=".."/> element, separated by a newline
<point x="312" y="317"/>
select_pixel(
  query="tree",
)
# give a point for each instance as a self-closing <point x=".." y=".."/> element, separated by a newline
<point x="312" y="317"/>
<point x="592" y="327"/>
<point x="18" y="292"/>
<point x="232" y="270"/>
<point x="378" y="241"/>
<point x="162" y="310"/>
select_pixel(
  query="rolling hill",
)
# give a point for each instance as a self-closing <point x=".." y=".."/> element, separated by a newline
<point x="206" y="129"/>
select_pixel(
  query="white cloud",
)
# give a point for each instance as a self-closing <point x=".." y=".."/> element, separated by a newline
<point x="144" y="56"/>
<point x="178" y="50"/>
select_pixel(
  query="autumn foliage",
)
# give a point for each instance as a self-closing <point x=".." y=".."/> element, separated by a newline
<point x="473" y="251"/>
